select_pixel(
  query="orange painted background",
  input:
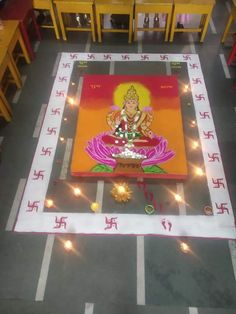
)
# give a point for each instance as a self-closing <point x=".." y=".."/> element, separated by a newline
<point x="96" y="102"/>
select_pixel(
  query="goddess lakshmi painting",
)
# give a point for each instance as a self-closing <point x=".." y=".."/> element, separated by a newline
<point x="122" y="120"/>
<point x="130" y="124"/>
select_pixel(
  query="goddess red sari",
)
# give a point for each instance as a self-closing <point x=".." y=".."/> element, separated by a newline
<point x="130" y="128"/>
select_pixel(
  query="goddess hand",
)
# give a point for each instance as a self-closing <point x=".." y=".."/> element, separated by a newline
<point x="150" y="134"/>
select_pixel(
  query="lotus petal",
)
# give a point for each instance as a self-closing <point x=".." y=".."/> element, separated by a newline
<point x="102" y="152"/>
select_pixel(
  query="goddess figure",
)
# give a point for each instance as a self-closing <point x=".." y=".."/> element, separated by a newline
<point x="130" y="125"/>
<point x="130" y="146"/>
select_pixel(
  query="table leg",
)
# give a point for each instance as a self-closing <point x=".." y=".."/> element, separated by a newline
<point x="5" y="108"/>
<point x="172" y="28"/>
<point x="61" y="24"/>
<point x="26" y="40"/>
<point x="92" y="25"/>
<point x="99" y="27"/>
<point x="54" y="22"/>
<point x="36" y="27"/>
<point x="14" y="72"/>
<point x="135" y="26"/>
<point x="227" y="28"/>
<point x="207" y="20"/>
<point x="130" y="26"/>
<point x="168" y="23"/>
<point x="23" y="47"/>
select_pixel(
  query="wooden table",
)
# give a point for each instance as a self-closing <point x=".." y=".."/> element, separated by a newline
<point x="10" y="35"/>
<point x="22" y="10"/>
<point x="6" y="62"/>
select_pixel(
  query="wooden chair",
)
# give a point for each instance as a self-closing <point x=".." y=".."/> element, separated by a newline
<point x="231" y="19"/>
<point x="153" y="6"/>
<point x="47" y="5"/>
<point x="75" y="6"/>
<point x="114" y="7"/>
<point x="201" y="7"/>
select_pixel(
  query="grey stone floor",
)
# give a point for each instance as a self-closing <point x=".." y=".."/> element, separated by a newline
<point x="102" y="278"/>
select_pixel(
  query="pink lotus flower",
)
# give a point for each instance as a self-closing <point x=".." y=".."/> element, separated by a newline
<point x="102" y="153"/>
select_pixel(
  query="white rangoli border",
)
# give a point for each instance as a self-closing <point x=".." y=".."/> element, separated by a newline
<point x="31" y="217"/>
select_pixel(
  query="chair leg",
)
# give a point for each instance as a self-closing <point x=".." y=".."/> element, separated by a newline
<point x="168" y="24"/>
<point x="172" y="28"/>
<point x="62" y="25"/>
<point x="130" y="26"/>
<point x="135" y="26"/>
<point x="227" y="28"/>
<point x="98" y="18"/>
<point x="203" y="34"/>
<point x="202" y="21"/>
<point x="54" y="23"/>
<point x="92" y="25"/>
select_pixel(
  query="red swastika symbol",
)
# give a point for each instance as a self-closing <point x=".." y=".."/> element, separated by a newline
<point x="91" y="56"/>
<point x="33" y="206"/>
<point x="66" y="65"/>
<point x="193" y="66"/>
<point x="125" y="57"/>
<point x="60" y="93"/>
<point x="51" y="131"/>
<point x="213" y="157"/>
<point x="46" y="151"/>
<point x="107" y="57"/>
<point x="208" y="135"/>
<point x="186" y="57"/>
<point x="60" y="222"/>
<point x="200" y="97"/>
<point x="55" y="111"/>
<point x="62" y="79"/>
<point x="204" y="114"/>
<point x="164" y="57"/>
<point x="222" y="208"/>
<point x="218" y="183"/>
<point x="74" y="56"/>
<point x="38" y="174"/>
<point x="111" y="223"/>
<point x="196" y="81"/>
<point x="144" y="57"/>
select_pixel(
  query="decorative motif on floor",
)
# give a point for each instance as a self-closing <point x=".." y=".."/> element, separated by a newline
<point x="31" y="218"/>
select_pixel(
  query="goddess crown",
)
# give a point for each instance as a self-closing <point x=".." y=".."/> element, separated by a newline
<point x="131" y="94"/>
